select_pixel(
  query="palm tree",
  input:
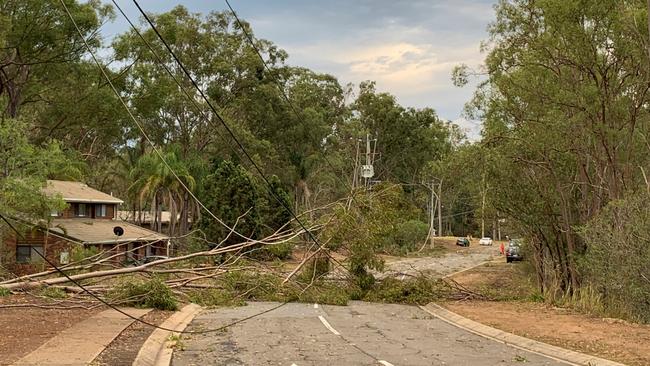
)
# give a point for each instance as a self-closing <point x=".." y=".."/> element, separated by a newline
<point x="155" y="181"/>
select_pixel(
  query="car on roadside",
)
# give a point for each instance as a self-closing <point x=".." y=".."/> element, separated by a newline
<point x="485" y="241"/>
<point x="463" y="242"/>
<point x="514" y="252"/>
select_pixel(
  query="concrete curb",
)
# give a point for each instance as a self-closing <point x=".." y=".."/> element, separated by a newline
<point x="157" y="349"/>
<point x="547" y="350"/>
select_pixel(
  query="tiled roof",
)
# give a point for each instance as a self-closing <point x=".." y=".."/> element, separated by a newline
<point x="78" y="192"/>
<point x="99" y="231"/>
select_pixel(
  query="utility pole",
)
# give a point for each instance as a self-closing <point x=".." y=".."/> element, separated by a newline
<point x="483" y="189"/>
<point x="356" y="166"/>
<point x="368" y="162"/>
<point x="439" y="208"/>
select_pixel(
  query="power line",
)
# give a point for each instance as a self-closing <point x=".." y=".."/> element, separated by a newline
<point x="209" y="120"/>
<point x="173" y="172"/>
<point x="251" y="41"/>
<point x="144" y="133"/>
<point x="225" y="125"/>
<point x="82" y="287"/>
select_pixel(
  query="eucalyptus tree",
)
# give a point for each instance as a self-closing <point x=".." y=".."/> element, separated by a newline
<point x="566" y="119"/>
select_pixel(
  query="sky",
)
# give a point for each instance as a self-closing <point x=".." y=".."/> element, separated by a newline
<point x="408" y="47"/>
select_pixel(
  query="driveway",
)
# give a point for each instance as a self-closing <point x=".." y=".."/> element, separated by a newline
<point x="358" y="334"/>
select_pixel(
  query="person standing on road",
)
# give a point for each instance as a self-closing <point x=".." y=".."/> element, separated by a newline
<point x="502" y="249"/>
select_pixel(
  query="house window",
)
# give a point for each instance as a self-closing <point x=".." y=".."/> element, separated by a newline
<point x="81" y="210"/>
<point x="100" y="210"/>
<point x="28" y="253"/>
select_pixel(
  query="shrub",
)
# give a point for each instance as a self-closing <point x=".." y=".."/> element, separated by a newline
<point x="616" y="263"/>
<point x="419" y="290"/>
<point x="407" y="237"/>
<point x="4" y="292"/>
<point x="148" y="294"/>
<point x="318" y="266"/>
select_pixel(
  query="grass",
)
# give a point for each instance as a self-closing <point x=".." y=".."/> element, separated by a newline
<point x="53" y="293"/>
<point x="146" y="294"/>
<point x="4" y="292"/>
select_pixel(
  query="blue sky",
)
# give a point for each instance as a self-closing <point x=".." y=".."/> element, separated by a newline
<point x="407" y="47"/>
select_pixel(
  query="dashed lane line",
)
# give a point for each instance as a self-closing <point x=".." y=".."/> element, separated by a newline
<point x="315" y="306"/>
<point x="328" y="326"/>
<point x="385" y="363"/>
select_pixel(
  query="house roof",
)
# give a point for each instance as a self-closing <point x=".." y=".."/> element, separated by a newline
<point x="78" y="192"/>
<point x="100" y="231"/>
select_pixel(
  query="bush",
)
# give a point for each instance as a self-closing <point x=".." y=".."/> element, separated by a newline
<point x="616" y="263"/>
<point x="407" y="237"/>
<point x="318" y="266"/>
<point x="147" y="294"/>
<point x="273" y="252"/>
<point x="416" y="291"/>
<point x="4" y="292"/>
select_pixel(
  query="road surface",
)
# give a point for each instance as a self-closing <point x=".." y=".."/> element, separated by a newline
<point x="357" y="334"/>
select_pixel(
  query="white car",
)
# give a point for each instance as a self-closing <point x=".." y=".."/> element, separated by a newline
<point x="485" y="241"/>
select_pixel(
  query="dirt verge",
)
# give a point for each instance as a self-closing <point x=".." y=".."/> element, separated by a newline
<point x="608" y="338"/>
<point x="24" y="329"/>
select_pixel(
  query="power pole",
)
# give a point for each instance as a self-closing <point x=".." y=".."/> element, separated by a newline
<point x="356" y="166"/>
<point x="483" y="189"/>
<point x="439" y="207"/>
<point x="368" y="162"/>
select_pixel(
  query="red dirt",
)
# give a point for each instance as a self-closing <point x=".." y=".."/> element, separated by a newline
<point x="608" y="338"/>
<point x="25" y="329"/>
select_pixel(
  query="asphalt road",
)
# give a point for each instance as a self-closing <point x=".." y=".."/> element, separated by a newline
<point x="357" y="334"/>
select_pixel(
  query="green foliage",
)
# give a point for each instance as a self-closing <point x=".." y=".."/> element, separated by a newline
<point x="616" y="265"/>
<point x="215" y="297"/>
<point x="24" y="168"/>
<point x="409" y="138"/>
<point x="152" y="293"/>
<point x="407" y="237"/>
<point x="4" y="292"/>
<point x="368" y="227"/>
<point x="313" y="270"/>
<point x="53" y="293"/>
<point x="232" y="194"/>
<point x="80" y="252"/>
<point x="416" y="291"/>
<point x="277" y="251"/>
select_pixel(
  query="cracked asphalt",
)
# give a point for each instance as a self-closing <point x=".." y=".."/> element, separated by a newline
<point x="357" y="334"/>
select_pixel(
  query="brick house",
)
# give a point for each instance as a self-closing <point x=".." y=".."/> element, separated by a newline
<point x="89" y="220"/>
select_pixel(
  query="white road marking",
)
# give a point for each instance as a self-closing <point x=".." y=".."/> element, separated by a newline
<point x="328" y="326"/>
<point x="293" y="364"/>
<point x="385" y="363"/>
<point x="315" y="306"/>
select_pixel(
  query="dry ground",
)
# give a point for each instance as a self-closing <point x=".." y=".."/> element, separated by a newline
<point x="604" y="337"/>
<point x="25" y="329"/>
<point x="123" y="349"/>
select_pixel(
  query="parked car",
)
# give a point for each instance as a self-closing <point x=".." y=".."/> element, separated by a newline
<point x="463" y="242"/>
<point x="514" y="252"/>
<point x="485" y="241"/>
